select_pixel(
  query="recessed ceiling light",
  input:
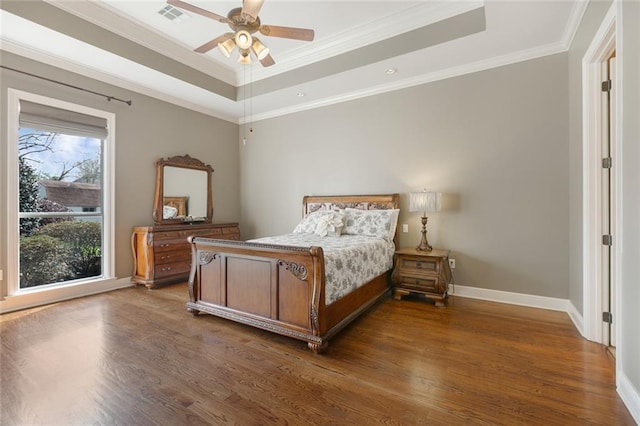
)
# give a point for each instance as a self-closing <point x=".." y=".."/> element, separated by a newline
<point x="301" y="94"/>
<point x="391" y="71"/>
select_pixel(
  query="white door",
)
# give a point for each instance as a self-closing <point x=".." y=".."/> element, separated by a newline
<point x="608" y="203"/>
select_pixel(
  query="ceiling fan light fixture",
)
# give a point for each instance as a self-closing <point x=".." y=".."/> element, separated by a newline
<point x="244" y="58"/>
<point x="243" y="39"/>
<point x="226" y="47"/>
<point x="261" y="51"/>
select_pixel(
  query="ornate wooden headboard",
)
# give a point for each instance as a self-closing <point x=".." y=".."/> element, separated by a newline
<point x="312" y="203"/>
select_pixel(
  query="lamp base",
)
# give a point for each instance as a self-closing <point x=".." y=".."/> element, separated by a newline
<point x="424" y="244"/>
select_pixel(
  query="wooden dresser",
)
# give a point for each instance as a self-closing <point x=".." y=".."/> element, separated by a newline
<point x="162" y="254"/>
<point x="422" y="272"/>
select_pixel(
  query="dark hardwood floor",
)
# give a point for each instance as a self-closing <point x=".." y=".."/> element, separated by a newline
<point x="136" y="357"/>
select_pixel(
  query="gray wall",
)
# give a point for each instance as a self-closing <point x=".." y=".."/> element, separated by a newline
<point x="496" y="143"/>
<point x="146" y="131"/>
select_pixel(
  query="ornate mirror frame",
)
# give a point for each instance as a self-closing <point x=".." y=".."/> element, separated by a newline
<point x="189" y="163"/>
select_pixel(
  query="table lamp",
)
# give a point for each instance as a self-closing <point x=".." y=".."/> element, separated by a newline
<point x="424" y="202"/>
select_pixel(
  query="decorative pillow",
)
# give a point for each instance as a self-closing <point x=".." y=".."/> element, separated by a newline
<point x="169" y="212"/>
<point x="330" y="225"/>
<point x="372" y="223"/>
<point x="309" y="223"/>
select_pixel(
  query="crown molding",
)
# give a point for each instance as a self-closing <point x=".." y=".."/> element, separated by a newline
<point x="575" y="17"/>
<point x="550" y="49"/>
<point x="55" y="61"/>
<point x="140" y="33"/>
<point x="499" y="61"/>
<point x="508" y="59"/>
<point x="367" y="33"/>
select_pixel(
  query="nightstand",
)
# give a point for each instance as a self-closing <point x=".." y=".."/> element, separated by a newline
<point x="422" y="272"/>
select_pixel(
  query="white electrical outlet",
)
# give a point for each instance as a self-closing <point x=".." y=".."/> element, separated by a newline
<point x="405" y="227"/>
<point x="452" y="263"/>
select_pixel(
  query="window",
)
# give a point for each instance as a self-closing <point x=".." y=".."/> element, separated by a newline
<point x="60" y="219"/>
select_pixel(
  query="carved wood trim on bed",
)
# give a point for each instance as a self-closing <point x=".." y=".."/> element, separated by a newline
<point x="280" y="288"/>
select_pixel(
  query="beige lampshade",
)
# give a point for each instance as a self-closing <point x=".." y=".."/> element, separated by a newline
<point x="425" y="202"/>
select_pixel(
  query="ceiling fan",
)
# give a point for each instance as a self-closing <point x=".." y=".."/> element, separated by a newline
<point x="244" y="21"/>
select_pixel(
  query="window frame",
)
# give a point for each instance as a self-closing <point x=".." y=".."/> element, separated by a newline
<point x="73" y="288"/>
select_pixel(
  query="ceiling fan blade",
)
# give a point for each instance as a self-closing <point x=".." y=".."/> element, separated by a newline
<point x="287" y="32"/>
<point x="213" y="43"/>
<point x="251" y="8"/>
<point x="267" y="61"/>
<point x="198" y="10"/>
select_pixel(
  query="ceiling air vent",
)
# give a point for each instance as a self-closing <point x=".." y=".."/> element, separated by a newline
<point x="173" y="14"/>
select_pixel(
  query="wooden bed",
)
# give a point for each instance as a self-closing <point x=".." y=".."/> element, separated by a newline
<point x="281" y="288"/>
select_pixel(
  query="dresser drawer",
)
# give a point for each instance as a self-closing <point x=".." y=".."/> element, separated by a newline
<point x="164" y="257"/>
<point x="181" y="244"/>
<point x="209" y="233"/>
<point x="187" y="232"/>
<point x="176" y="268"/>
<point x="230" y="230"/>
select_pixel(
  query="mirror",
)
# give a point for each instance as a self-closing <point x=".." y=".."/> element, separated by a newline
<point x="183" y="191"/>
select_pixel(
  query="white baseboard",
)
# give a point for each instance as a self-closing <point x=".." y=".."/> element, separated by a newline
<point x="629" y="395"/>
<point x="576" y="317"/>
<point x="38" y="297"/>
<point x="530" y="300"/>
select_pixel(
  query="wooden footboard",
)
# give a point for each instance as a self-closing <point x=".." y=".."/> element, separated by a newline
<point x="276" y="288"/>
<point x="281" y="288"/>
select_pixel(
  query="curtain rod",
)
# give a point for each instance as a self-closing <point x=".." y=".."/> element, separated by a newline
<point x="109" y="98"/>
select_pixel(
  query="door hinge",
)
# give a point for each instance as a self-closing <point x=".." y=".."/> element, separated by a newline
<point x="607" y="317"/>
<point x="607" y="240"/>
<point x="607" y="163"/>
<point x="606" y="86"/>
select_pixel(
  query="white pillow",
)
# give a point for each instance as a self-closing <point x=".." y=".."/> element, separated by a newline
<point x="309" y="223"/>
<point x="372" y="223"/>
<point x="330" y="225"/>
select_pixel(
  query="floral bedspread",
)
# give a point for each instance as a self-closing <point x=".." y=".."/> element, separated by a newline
<point x="350" y="260"/>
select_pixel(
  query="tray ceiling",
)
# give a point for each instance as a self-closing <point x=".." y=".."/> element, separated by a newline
<point x="361" y="48"/>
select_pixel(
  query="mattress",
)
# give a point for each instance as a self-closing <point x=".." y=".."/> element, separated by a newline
<point x="350" y="260"/>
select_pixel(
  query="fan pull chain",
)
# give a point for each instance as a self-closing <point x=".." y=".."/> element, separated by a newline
<point x="244" y="106"/>
<point x="251" y="98"/>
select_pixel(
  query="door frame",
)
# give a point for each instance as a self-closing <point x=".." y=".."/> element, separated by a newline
<point x="602" y="45"/>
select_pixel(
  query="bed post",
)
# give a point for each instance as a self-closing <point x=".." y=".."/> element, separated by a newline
<point x="192" y="276"/>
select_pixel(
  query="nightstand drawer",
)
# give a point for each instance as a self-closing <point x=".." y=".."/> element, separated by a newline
<point x="421" y="264"/>
<point x="424" y="284"/>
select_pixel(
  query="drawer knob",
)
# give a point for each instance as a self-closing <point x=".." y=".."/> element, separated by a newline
<point x="419" y="265"/>
<point x="165" y="245"/>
